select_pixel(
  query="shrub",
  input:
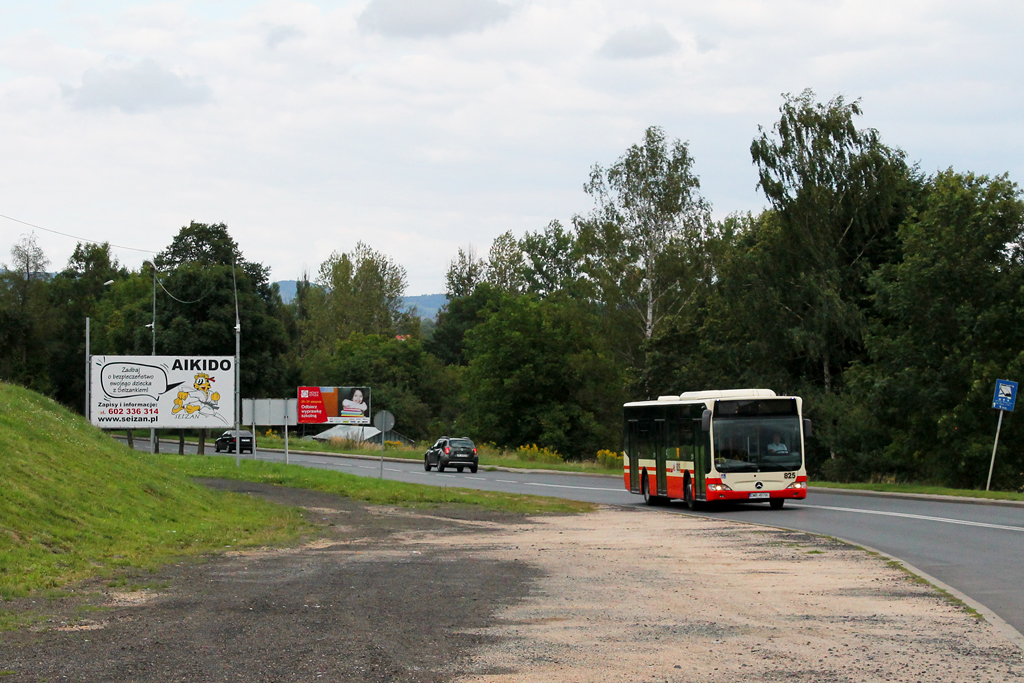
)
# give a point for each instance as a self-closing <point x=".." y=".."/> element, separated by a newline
<point x="838" y="470"/>
<point x="339" y="442"/>
<point x="531" y="453"/>
<point x="609" y="460"/>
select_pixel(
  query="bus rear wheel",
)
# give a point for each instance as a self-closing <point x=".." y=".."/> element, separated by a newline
<point x="777" y="503"/>
<point x="645" y="489"/>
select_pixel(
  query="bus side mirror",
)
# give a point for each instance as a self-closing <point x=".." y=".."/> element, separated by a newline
<point x="705" y="421"/>
<point x="807" y="429"/>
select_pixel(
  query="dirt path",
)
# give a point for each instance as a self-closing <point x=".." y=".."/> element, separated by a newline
<point x="620" y="595"/>
<point x="632" y="595"/>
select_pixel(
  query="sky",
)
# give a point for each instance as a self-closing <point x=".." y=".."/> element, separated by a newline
<point x="420" y="127"/>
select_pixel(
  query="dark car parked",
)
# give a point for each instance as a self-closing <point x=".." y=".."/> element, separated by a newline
<point x="226" y="442"/>
<point x="449" y="451"/>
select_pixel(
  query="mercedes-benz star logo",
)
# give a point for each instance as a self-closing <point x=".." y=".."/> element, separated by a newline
<point x="759" y="485"/>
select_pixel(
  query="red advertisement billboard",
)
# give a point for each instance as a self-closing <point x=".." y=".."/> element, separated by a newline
<point x="334" y="405"/>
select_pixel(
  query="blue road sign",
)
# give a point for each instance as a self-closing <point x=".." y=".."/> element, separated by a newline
<point x="1006" y="394"/>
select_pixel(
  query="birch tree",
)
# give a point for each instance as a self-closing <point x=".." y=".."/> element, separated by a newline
<point x="648" y="213"/>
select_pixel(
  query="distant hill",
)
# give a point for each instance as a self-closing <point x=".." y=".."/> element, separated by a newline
<point x="287" y="289"/>
<point x="427" y="305"/>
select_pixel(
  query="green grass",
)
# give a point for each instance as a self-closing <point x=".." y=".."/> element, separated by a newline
<point x="918" y="488"/>
<point x="489" y="457"/>
<point x="377" y="491"/>
<point x="76" y="504"/>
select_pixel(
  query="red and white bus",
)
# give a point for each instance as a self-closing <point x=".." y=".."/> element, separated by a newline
<point x="711" y="446"/>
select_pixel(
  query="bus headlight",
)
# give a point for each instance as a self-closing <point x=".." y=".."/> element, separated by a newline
<point x="797" y="485"/>
<point x="718" y="487"/>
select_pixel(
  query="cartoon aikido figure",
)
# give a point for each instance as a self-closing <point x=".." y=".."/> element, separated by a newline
<point x="200" y="400"/>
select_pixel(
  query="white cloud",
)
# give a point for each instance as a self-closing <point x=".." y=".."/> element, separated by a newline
<point x="639" y="42"/>
<point x="280" y="34"/>
<point x="318" y="128"/>
<point x="422" y="18"/>
<point x="145" y="85"/>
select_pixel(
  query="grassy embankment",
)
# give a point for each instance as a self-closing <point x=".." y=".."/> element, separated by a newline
<point x="77" y="504"/>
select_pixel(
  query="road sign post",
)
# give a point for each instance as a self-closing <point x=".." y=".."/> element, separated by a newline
<point x="385" y="422"/>
<point x="1002" y="400"/>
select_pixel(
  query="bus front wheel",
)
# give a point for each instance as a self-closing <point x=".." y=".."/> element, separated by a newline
<point x="777" y="503"/>
<point x="688" y="496"/>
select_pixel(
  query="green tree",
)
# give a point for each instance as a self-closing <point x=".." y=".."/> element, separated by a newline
<point x="539" y="375"/>
<point x="648" y="211"/>
<point x="358" y="292"/>
<point x="949" y="324"/>
<point x="26" y="321"/>
<point x="75" y="293"/>
<point x="552" y="262"/>
<point x="197" y="278"/>
<point x="505" y="264"/>
<point x="465" y="272"/>
<point x="839" y="194"/>
<point x="457" y="317"/>
<point x="403" y="378"/>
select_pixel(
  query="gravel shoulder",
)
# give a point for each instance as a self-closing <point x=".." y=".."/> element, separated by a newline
<point x="390" y="594"/>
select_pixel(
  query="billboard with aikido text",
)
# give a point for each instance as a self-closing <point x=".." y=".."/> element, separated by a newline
<point x="162" y="392"/>
<point x="334" y="405"/>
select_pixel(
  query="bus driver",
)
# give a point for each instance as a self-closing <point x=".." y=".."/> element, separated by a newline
<point x="776" y="446"/>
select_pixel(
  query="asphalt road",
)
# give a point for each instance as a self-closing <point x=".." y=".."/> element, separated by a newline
<point x="976" y="549"/>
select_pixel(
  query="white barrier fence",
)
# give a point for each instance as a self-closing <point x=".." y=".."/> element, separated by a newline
<point x="271" y="412"/>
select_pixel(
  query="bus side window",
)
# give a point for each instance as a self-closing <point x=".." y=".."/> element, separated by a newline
<point x="671" y="444"/>
<point x="685" y="431"/>
<point x="646" y="449"/>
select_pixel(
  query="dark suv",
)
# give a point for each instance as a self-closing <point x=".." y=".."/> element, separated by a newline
<point x="450" y="451"/>
<point x="226" y="442"/>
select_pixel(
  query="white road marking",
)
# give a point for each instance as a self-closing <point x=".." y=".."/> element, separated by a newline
<point x="563" y="486"/>
<point x="926" y="518"/>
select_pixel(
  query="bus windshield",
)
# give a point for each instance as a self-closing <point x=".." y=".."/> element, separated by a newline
<point x="757" y="444"/>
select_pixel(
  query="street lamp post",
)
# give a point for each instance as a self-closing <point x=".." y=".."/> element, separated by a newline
<point x="153" y="446"/>
<point x="88" y="369"/>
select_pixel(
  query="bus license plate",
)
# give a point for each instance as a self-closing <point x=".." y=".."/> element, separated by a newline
<point x="760" y="494"/>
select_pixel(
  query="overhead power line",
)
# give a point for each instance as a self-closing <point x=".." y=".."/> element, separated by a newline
<point x="81" y="239"/>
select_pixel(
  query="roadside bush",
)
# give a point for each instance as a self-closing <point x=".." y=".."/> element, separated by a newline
<point x="839" y="470"/>
<point x="531" y="453"/>
<point x="339" y="442"/>
<point x="609" y="460"/>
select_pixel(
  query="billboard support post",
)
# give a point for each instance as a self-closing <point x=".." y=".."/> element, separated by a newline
<point x="152" y="432"/>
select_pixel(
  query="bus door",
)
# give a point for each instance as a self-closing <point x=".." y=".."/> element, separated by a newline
<point x="660" y="437"/>
<point x="633" y="451"/>
<point x="701" y="460"/>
